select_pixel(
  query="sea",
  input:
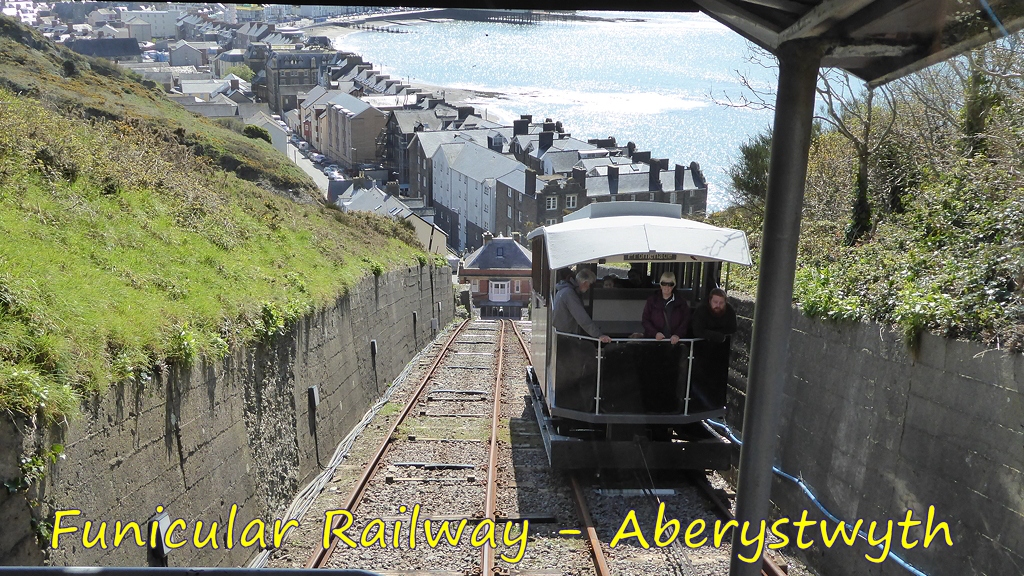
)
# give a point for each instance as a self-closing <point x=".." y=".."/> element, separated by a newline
<point x="661" y="80"/>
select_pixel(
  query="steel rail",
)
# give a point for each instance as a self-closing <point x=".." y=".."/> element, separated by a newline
<point x="580" y="499"/>
<point x="321" y="555"/>
<point x="490" y="501"/>
<point x="768" y="566"/>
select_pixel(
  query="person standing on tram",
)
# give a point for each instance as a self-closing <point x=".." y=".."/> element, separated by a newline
<point x="666" y="314"/>
<point x="569" y="315"/>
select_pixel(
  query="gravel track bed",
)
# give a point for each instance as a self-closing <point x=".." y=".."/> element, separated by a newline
<point x="527" y="486"/>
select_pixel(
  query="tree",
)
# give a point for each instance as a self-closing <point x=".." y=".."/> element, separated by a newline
<point x="749" y="175"/>
<point x="242" y="71"/>
<point x="849" y="110"/>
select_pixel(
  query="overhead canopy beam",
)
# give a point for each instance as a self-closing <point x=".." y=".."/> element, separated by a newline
<point x="977" y="41"/>
<point x="821" y="18"/>
<point x="755" y="28"/>
<point x="784" y="5"/>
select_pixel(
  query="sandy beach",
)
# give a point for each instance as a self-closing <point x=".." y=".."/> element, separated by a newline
<point x="455" y="96"/>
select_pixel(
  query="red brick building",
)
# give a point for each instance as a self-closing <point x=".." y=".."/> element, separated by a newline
<point x="498" y="274"/>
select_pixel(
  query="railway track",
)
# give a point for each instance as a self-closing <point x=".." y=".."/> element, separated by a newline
<point x="465" y="450"/>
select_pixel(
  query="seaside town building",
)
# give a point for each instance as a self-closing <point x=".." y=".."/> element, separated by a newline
<point x="498" y="274"/>
<point x="466" y="174"/>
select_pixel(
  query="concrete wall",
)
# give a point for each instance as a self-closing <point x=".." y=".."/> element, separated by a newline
<point x="232" y="431"/>
<point x="875" y="431"/>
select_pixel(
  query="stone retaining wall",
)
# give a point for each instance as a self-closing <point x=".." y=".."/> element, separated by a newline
<point x="876" y="431"/>
<point x="233" y="431"/>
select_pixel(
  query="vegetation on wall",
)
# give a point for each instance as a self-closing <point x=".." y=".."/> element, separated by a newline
<point x="940" y="244"/>
<point x="942" y="248"/>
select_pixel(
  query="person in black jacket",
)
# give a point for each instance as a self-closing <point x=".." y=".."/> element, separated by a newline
<point x="666" y="317"/>
<point x="666" y="314"/>
<point x="714" y="321"/>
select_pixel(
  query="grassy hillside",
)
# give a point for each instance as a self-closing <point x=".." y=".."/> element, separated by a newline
<point x="135" y="234"/>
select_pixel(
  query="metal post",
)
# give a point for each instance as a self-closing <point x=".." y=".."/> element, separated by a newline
<point x="597" y="393"/>
<point x="689" y="374"/>
<point x="769" y="348"/>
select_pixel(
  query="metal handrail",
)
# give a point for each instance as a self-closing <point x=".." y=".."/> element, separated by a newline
<point x="597" y="391"/>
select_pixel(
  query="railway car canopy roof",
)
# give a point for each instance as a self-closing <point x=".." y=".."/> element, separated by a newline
<point x="639" y="232"/>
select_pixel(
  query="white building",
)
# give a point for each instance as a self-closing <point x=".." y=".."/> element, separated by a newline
<point x="163" y="23"/>
<point x="464" y="188"/>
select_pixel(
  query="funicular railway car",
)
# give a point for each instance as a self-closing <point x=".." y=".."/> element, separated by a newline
<point x="634" y="402"/>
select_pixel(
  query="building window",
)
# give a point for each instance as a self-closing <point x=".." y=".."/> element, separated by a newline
<point x="509" y="211"/>
<point x="474" y="285"/>
<point x="518" y="287"/>
<point x="570" y="201"/>
<point x="520" y="216"/>
<point x="509" y="192"/>
<point x="500" y="252"/>
<point x="498" y="291"/>
<point x="551" y="221"/>
<point x="551" y="203"/>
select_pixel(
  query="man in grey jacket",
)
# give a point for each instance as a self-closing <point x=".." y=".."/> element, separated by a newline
<point x="568" y="311"/>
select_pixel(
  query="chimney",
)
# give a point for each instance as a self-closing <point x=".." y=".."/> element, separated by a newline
<point x="465" y="112"/>
<point x="698" y="176"/>
<point x="630" y="149"/>
<point x="531" y="182"/>
<point x="549" y="126"/>
<point x="546" y="138"/>
<point x="579" y="175"/>
<point x="613" y="179"/>
<point x="391" y="188"/>
<point x="516" y="236"/>
<point x="639" y="157"/>
<point x="558" y="126"/>
<point x="663" y="164"/>
<point x="654" y="182"/>
<point x="521" y="126"/>
<point x="680" y="176"/>
<point x="234" y="83"/>
<point x="487" y="238"/>
<point x="527" y="117"/>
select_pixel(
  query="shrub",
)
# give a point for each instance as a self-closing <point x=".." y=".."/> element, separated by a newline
<point x="254" y="131"/>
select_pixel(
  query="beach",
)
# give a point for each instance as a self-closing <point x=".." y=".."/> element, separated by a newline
<point x="456" y="96"/>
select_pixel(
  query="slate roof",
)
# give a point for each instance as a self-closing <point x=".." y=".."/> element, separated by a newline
<point x="480" y="163"/>
<point x="513" y="256"/>
<point x="350" y="103"/>
<point x="562" y="161"/>
<point x="515" y="180"/>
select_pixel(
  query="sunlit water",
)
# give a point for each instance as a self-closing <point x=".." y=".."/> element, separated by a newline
<point x="653" y="82"/>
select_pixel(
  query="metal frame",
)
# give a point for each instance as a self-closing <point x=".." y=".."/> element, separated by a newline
<point x="597" y="418"/>
<point x="570" y="453"/>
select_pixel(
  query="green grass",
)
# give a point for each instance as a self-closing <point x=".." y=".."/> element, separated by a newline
<point x="123" y="249"/>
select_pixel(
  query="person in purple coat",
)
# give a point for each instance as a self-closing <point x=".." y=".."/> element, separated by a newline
<point x="666" y="314"/>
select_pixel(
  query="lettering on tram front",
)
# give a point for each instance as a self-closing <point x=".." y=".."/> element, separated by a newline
<point x="648" y="257"/>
